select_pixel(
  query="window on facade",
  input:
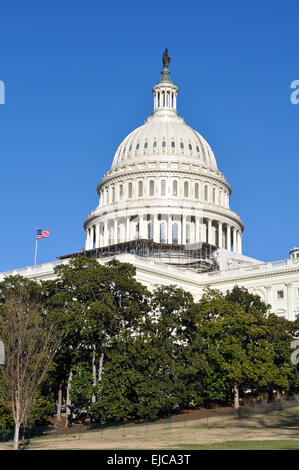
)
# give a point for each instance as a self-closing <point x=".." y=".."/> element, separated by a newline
<point x="175" y="234"/>
<point x="214" y="195"/>
<point x="280" y="294"/>
<point x="151" y="188"/>
<point x="145" y="145"/>
<point x="182" y="145"/>
<point x="130" y="190"/>
<point x="173" y="144"/>
<point x="163" y="233"/>
<point x="163" y="188"/>
<point x="186" y="189"/>
<point x="164" y="143"/>
<point x="197" y="148"/>
<point x="140" y="189"/>
<point x="154" y="144"/>
<point x="137" y="146"/>
<point x="190" y="147"/>
<point x="206" y="193"/>
<point x="113" y="194"/>
<point x="124" y="150"/>
<point x="196" y="191"/>
<point x="130" y="148"/>
<point x="175" y="188"/>
<point x="120" y="191"/>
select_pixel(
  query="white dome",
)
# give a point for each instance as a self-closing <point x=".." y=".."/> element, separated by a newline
<point x="164" y="186"/>
<point x="164" y="134"/>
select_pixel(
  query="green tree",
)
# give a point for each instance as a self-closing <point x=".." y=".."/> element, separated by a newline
<point x="30" y="344"/>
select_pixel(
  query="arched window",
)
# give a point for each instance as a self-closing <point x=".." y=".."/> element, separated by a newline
<point x="164" y="143"/>
<point x="186" y="189"/>
<point x="130" y="190"/>
<point x="151" y="188"/>
<point x="214" y="195"/>
<point x="150" y="231"/>
<point x="154" y="144"/>
<point x="173" y="144"/>
<point x="175" y="188"/>
<point x="120" y="191"/>
<point x="206" y="192"/>
<point x="163" y="188"/>
<point x="113" y="194"/>
<point x="140" y="189"/>
<point x="182" y="145"/>
<point x="145" y="145"/>
<point x="175" y="234"/>
<point x="196" y="191"/>
<point x="190" y="147"/>
<point x="137" y="146"/>
<point x="163" y="233"/>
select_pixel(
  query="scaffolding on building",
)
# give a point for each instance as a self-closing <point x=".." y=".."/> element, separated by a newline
<point x="196" y="256"/>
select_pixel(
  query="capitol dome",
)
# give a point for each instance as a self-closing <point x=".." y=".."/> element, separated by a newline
<point x="165" y="134"/>
<point x="164" y="185"/>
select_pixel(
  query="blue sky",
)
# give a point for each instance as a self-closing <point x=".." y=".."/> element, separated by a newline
<point x="78" y="78"/>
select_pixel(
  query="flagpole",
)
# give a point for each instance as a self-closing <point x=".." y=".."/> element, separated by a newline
<point x="35" y="251"/>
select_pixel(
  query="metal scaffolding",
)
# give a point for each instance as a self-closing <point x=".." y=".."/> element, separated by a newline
<point x="198" y="256"/>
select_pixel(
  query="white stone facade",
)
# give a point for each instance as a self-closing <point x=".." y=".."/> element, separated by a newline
<point x="277" y="283"/>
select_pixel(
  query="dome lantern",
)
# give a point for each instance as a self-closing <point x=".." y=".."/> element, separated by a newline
<point x="165" y="92"/>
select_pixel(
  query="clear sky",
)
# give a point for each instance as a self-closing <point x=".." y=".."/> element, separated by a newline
<point x="78" y="77"/>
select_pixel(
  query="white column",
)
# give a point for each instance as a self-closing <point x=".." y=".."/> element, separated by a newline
<point x="115" y="232"/>
<point x="98" y="235"/>
<point x="142" y="226"/>
<point x="91" y="237"/>
<point x="169" y="230"/>
<point x="106" y="233"/>
<point x="156" y="234"/>
<point x="197" y="229"/>
<point x="183" y="230"/>
<point x="87" y="240"/>
<point x="228" y="238"/>
<point x="101" y="234"/>
<point x="220" y="235"/>
<point x="235" y="239"/>
<point x="209" y="231"/>
<point x="128" y="228"/>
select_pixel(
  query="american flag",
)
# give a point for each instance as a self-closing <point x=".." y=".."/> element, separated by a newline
<point x="42" y="234"/>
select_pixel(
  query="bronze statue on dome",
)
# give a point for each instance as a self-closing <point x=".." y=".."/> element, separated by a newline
<point x="166" y="58"/>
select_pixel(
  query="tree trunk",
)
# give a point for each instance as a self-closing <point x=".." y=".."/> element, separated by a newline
<point x="101" y="363"/>
<point x="236" y="397"/>
<point x="59" y="404"/>
<point x="16" y="436"/>
<point x="94" y="373"/>
<point x="68" y="400"/>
